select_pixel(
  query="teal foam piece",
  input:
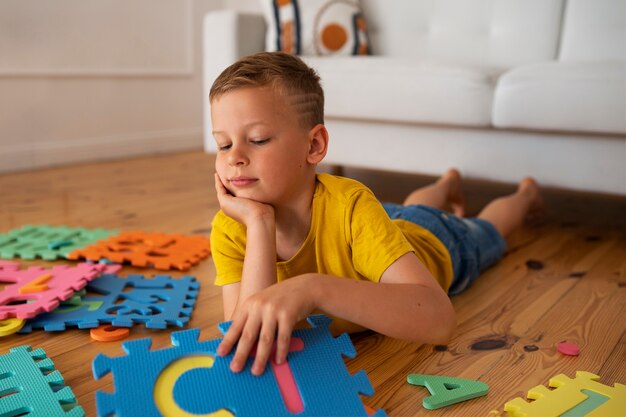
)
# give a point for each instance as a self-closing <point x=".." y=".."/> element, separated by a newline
<point x="48" y="242"/>
<point x="446" y="391"/>
<point x="38" y="389"/>
<point x="593" y="401"/>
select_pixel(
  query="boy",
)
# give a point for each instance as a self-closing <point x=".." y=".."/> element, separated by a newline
<point x="288" y="241"/>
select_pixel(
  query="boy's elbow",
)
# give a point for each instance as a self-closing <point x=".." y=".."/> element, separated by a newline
<point x="443" y="333"/>
<point x="442" y="325"/>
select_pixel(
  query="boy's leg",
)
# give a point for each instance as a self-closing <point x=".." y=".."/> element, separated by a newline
<point x="444" y="194"/>
<point x="508" y="213"/>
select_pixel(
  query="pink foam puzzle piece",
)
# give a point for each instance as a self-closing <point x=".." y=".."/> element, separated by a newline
<point x="568" y="348"/>
<point x="284" y="378"/>
<point x="36" y="289"/>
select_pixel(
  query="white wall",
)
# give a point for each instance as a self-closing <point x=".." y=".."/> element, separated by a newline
<point x="88" y="80"/>
<point x="253" y="6"/>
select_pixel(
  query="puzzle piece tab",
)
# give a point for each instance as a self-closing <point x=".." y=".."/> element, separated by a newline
<point x="48" y="242"/>
<point x="36" y="289"/>
<point x="190" y="378"/>
<point x="36" y="389"/>
<point x="141" y="249"/>
<point x="569" y="394"/>
<point x="157" y="302"/>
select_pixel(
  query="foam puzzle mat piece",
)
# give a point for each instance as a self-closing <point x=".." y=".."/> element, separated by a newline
<point x="582" y="394"/>
<point x="446" y="390"/>
<point x="42" y="295"/>
<point x="157" y="302"/>
<point x="10" y="326"/>
<point x="48" y="242"/>
<point x="108" y="333"/>
<point x="568" y="348"/>
<point x="142" y="249"/>
<point x="206" y="384"/>
<point x="38" y="390"/>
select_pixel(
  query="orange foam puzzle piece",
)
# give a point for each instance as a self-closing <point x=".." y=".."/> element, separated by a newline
<point x="109" y="333"/>
<point x="37" y="285"/>
<point x="142" y="249"/>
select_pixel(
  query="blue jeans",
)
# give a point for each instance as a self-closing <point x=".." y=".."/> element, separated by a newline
<point x="474" y="244"/>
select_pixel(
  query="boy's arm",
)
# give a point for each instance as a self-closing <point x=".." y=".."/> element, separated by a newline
<point x="259" y="267"/>
<point x="407" y="304"/>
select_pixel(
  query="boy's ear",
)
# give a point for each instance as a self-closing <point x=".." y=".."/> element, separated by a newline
<point x="318" y="144"/>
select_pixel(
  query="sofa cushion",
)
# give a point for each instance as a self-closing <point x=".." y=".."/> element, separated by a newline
<point x="489" y="33"/>
<point x="404" y="90"/>
<point x="315" y="27"/>
<point x="563" y="96"/>
<point x="594" y="30"/>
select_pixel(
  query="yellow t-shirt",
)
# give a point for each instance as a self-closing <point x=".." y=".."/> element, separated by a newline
<point x="350" y="236"/>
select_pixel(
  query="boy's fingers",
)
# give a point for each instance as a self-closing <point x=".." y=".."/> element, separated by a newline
<point x="264" y="347"/>
<point x="231" y="336"/>
<point x="283" y="340"/>
<point x="248" y="338"/>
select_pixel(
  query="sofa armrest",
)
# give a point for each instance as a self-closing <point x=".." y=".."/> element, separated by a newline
<point x="227" y="36"/>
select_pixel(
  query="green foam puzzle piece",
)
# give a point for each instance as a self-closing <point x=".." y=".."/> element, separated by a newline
<point x="48" y="242"/>
<point x="446" y="391"/>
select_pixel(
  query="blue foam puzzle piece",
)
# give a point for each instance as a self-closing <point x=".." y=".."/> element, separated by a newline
<point x="324" y="383"/>
<point x="37" y="389"/>
<point x="158" y="302"/>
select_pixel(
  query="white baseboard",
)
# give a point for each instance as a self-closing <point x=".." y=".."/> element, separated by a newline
<point x="60" y="152"/>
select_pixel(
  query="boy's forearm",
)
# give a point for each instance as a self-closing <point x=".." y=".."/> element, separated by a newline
<point x="405" y="311"/>
<point x="259" y="267"/>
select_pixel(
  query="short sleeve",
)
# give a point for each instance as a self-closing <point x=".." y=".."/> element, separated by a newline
<point x="228" y="248"/>
<point x="376" y="242"/>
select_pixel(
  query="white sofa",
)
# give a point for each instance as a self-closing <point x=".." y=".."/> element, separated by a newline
<point x="498" y="88"/>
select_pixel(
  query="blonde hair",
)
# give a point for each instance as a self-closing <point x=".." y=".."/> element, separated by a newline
<point x="287" y="74"/>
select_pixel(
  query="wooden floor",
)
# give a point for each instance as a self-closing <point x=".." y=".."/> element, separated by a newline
<point x="563" y="279"/>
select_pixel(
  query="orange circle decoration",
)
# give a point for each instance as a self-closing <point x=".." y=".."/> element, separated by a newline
<point x="334" y="36"/>
<point x="109" y="333"/>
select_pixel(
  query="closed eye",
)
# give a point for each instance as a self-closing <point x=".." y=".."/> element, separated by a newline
<point x="260" y="141"/>
<point x="223" y="147"/>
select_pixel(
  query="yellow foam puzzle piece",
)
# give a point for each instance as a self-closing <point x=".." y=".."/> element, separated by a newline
<point x="10" y="326"/>
<point x="164" y="387"/>
<point x="567" y="394"/>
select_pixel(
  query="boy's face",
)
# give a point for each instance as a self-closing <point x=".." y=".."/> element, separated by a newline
<point x="261" y="147"/>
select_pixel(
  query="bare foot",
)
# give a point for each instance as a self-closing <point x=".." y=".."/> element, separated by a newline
<point x="455" y="201"/>
<point x="530" y="188"/>
<point x="444" y="194"/>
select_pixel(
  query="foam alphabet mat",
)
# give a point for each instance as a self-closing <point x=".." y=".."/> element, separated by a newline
<point x="157" y="302"/>
<point x="190" y="379"/>
<point x="31" y="386"/>
<point x="37" y="289"/>
<point x="580" y="396"/>
<point x="142" y="249"/>
<point x="48" y="242"/>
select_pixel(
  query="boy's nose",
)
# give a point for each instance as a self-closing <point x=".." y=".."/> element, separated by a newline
<point x="237" y="157"/>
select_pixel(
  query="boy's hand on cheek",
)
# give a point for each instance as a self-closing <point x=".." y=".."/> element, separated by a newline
<point x="264" y="318"/>
<point x="244" y="210"/>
